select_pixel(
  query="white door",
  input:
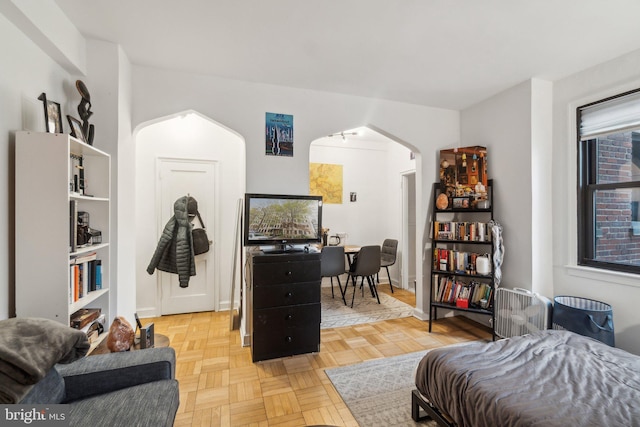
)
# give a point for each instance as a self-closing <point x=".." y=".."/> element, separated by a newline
<point x="196" y="178"/>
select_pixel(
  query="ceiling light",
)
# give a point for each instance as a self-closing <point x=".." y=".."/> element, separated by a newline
<point x="343" y="135"/>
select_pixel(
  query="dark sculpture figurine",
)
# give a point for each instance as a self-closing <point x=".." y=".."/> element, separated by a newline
<point x="84" y="109"/>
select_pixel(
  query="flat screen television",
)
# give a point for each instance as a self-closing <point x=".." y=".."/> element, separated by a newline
<point x="282" y="221"/>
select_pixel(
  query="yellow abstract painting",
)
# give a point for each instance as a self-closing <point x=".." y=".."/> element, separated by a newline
<point x="326" y="180"/>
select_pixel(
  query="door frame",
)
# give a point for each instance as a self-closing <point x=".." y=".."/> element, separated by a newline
<point x="406" y="250"/>
<point x="212" y="223"/>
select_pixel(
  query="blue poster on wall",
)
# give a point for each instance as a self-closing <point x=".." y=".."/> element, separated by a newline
<point x="279" y="135"/>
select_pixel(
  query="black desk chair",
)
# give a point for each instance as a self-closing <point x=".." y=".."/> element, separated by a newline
<point x="332" y="265"/>
<point x="388" y="255"/>
<point x="365" y="264"/>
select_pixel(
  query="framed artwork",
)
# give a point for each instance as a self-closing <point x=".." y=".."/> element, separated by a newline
<point x="147" y="336"/>
<point x="461" y="203"/>
<point x="279" y="134"/>
<point x="326" y="180"/>
<point x="52" y="115"/>
<point x="76" y="128"/>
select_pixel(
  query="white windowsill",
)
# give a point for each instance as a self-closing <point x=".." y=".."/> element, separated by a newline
<point x="616" y="277"/>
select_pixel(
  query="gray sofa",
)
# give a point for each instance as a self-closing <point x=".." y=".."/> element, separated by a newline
<point x="134" y="388"/>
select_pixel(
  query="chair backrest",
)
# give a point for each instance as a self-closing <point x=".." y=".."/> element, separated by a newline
<point x="332" y="261"/>
<point x="367" y="262"/>
<point x="389" y="250"/>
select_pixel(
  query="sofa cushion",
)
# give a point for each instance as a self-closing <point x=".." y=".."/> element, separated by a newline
<point x="49" y="390"/>
<point x="104" y="373"/>
<point x="153" y="404"/>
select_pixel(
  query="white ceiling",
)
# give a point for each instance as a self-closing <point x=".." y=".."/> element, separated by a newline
<point x="441" y="53"/>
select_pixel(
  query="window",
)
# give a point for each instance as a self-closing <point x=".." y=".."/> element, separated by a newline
<point x="609" y="183"/>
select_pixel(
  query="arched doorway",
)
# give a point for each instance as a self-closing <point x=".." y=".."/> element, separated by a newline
<point x="173" y="154"/>
<point x="374" y="204"/>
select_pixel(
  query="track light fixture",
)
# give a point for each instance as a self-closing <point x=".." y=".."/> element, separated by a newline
<point x="343" y="135"/>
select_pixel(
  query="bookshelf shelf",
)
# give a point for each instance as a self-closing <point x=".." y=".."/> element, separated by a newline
<point x="45" y="177"/>
<point x="86" y="300"/>
<point x="460" y="237"/>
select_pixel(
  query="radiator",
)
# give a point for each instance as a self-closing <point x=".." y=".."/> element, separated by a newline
<point x="519" y="311"/>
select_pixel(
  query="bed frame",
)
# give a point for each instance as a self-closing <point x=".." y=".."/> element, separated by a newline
<point x="434" y="413"/>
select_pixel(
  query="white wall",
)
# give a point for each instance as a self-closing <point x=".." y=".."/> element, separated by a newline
<point x="622" y="291"/>
<point x="502" y="123"/>
<point x="241" y="106"/>
<point x="187" y="136"/>
<point x="372" y="170"/>
<point x="25" y="73"/>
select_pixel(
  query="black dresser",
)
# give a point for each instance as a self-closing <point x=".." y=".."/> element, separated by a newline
<point x="284" y="293"/>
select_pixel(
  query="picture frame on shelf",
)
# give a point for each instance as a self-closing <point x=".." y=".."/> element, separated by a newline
<point x="461" y="203"/>
<point x="76" y="128"/>
<point x="52" y="114"/>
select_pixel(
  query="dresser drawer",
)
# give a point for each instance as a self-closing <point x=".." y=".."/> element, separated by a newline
<point x="286" y="294"/>
<point x="281" y="318"/>
<point x="268" y="343"/>
<point x="274" y="273"/>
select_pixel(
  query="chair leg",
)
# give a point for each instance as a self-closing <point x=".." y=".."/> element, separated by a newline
<point x="331" y="286"/>
<point x="353" y="297"/>
<point x="341" y="291"/>
<point x="372" y="286"/>
<point x="389" y="276"/>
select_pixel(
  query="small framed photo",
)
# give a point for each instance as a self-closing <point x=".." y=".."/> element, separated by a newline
<point x="461" y="203"/>
<point x="52" y="115"/>
<point x="76" y="128"/>
<point x="147" y="339"/>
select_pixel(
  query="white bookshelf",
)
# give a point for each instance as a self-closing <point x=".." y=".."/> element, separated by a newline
<point x="43" y="168"/>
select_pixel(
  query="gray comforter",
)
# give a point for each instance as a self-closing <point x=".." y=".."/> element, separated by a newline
<point x="550" y="378"/>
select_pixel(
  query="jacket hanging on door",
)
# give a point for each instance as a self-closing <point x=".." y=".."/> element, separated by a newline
<point x="174" y="253"/>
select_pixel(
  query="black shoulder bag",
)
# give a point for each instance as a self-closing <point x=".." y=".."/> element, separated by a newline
<point x="200" y="238"/>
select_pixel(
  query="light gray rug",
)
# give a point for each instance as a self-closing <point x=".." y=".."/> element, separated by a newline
<point x="378" y="392"/>
<point x="365" y="309"/>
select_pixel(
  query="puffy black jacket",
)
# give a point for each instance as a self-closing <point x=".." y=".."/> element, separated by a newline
<point x="174" y="253"/>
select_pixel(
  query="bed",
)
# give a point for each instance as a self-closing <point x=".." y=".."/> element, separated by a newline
<point x="548" y="378"/>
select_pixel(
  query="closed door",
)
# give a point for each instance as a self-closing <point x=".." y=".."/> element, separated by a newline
<point x="196" y="178"/>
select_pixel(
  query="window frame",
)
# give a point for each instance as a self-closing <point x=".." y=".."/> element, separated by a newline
<point x="587" y="187"/>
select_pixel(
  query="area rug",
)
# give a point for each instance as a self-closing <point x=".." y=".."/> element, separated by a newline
<point x="378" y="392"/>
<point x="365" y="309"/>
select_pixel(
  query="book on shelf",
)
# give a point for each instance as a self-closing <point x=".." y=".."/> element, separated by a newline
<point x="83" y="317"/>
<point x="450" y="290"/>
<point x="73" y="225"/>
<point x="461" y="231"/>
<point x="453" y="261"/>
<point x="85" y="275"/>
<point x="98" y="275"/>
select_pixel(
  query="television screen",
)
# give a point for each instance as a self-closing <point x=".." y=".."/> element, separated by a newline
<point x="282" y="220"/>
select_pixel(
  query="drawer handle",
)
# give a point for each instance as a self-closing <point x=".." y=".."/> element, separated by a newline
<point x="289" y="339"/>
<point x="288" y="317"/>
<point x="289" y="273"/>
<point x="289" y="294"/>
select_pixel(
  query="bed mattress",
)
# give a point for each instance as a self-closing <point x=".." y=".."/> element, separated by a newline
<point x="549" y="378"/>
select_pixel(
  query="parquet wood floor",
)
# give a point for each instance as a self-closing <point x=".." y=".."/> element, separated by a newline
<point x="221" y="386"/>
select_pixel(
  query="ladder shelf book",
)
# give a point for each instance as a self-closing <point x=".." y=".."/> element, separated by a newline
<point x="462" y="276"/>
